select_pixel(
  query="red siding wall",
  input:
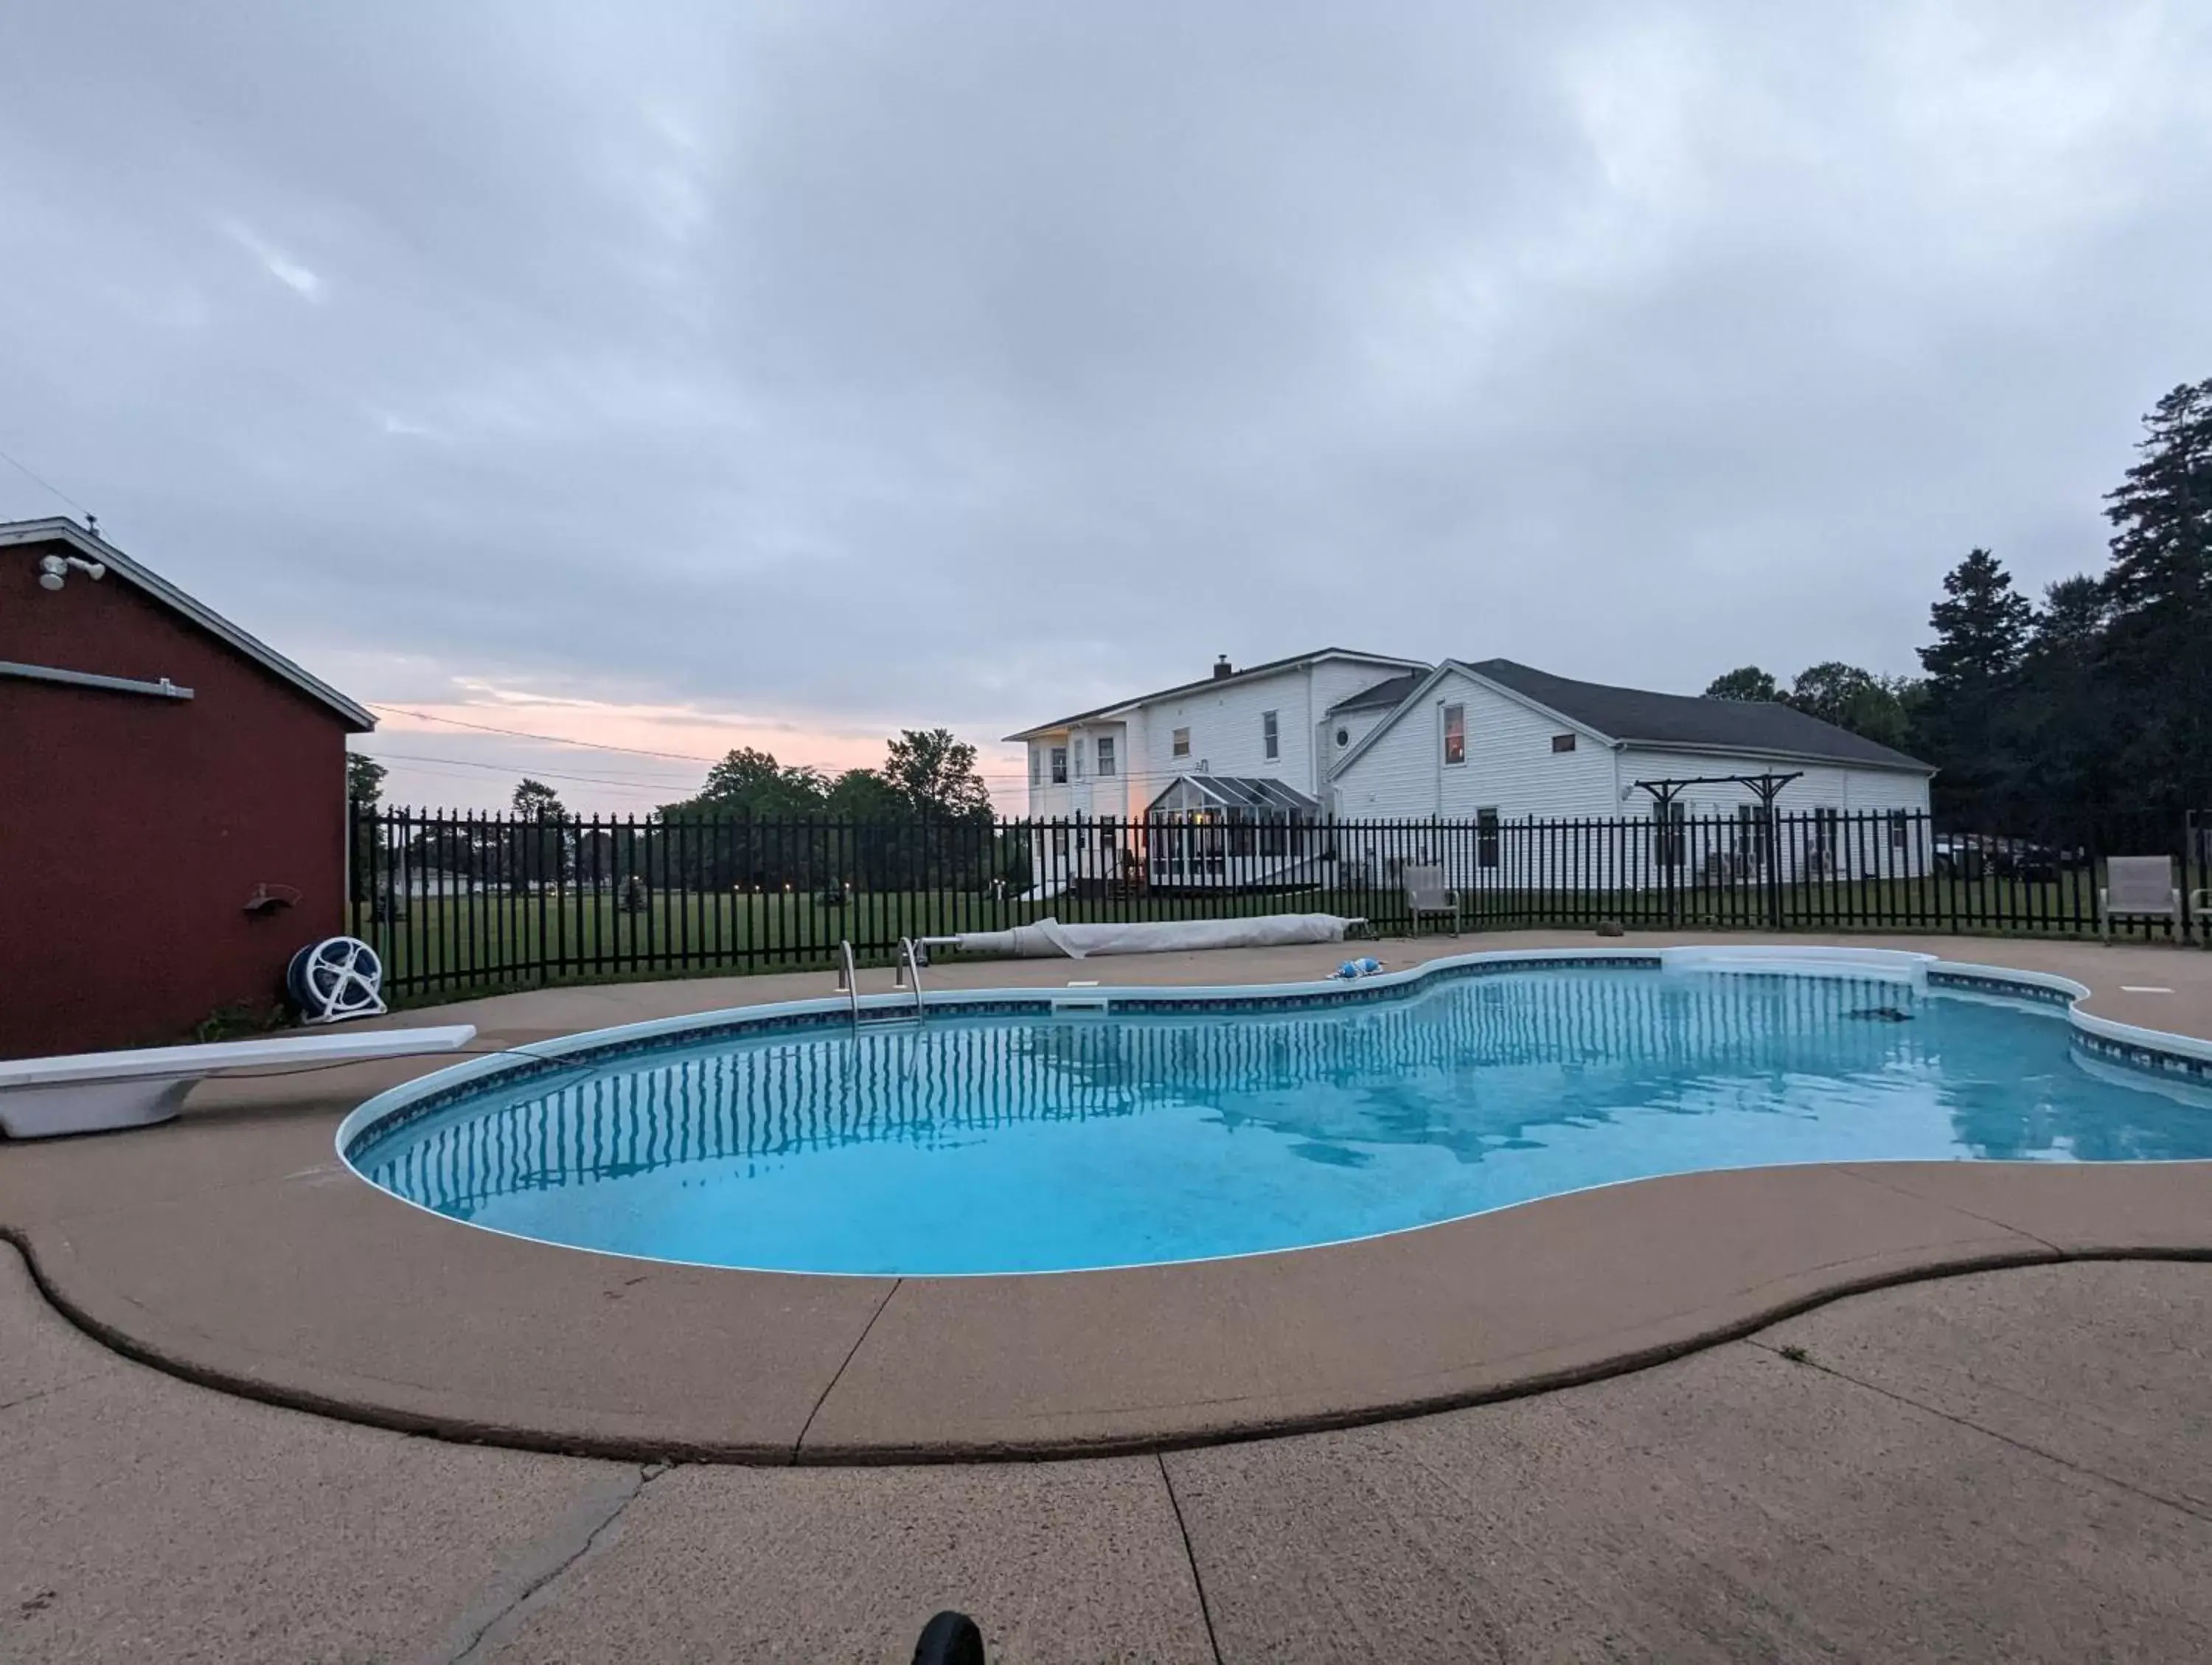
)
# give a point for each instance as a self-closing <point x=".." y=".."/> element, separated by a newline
<point x="133" y="829"/>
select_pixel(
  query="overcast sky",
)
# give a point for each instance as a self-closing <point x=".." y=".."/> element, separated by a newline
<point x="676" y="376"/>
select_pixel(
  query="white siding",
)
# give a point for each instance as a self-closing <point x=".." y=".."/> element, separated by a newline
<point x="1225" y="734"/>
<point x="1511" y="766"/>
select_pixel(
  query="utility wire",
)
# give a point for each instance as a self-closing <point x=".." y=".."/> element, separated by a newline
<point x="36" y="478"/>
<point x="511" y="769"/>
<point x="599" y="745"/>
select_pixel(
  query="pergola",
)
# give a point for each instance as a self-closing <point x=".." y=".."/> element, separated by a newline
<point x="1766" y="787"/>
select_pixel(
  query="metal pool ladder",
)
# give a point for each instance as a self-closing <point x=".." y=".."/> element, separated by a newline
<point x="909" y="971"/>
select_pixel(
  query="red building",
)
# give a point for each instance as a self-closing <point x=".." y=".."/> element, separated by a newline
<point x="171" y="802"/>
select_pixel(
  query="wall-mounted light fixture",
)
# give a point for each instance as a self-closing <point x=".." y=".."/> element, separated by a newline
<point x="54" y="570"/>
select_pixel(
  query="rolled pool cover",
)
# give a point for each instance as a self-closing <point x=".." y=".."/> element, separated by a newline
<point x="1049" y="936"/>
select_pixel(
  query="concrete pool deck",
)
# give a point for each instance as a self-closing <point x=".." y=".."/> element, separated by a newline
<point x="232" y="1247"/>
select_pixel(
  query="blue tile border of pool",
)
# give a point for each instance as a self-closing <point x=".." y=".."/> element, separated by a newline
<point x="410" y="1102"/>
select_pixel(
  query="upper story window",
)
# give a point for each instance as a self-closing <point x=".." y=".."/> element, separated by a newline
<point x="1078" y="759"/>
<point x="1563" y="743"/>
<point x="1455" y="734"/>
<point x="1059" y="766"/>
<point x="1105" y="754"/>
<point x="1271" y="746"/>
<point x="1181" y="740"/>
<point x="1036" y="766"/>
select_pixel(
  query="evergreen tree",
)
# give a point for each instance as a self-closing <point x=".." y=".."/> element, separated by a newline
<point x="2055" y="735"/>
<point x="1982" y="628"/>
<point x="2157" y="649"/>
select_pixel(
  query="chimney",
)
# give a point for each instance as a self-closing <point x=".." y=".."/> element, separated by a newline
<point x="1222" y="668"/>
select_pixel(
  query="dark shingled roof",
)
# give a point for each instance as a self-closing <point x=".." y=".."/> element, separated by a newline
<point x="1384" y="696"/>
<point x="1637" y="718"/>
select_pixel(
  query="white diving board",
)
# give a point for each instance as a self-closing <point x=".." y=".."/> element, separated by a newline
<point x="94" y="1091"/>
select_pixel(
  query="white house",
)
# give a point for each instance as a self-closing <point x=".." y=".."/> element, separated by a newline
<point x="1494" y="743"/>
<point x="1229" y="762"/>
<point x="1263" y="775"/>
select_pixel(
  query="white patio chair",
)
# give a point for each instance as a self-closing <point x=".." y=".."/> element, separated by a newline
<point x="1426" y="896"/>
<point x="2143" y="887"/>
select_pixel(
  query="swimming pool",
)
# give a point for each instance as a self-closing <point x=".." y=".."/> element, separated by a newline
<point x="1006" y="1136"/>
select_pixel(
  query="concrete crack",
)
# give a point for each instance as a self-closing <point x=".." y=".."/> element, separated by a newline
<point x="58" y="1387"/>
<point x="1204" y="1610"/>
<point x="851" y="1353"/>
<point x="1804" y="1360"/>
<point x="1958" y="1208"/>
<point x="498" y="1611"/>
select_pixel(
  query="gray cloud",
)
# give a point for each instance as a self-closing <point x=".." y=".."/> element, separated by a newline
<point x="928" y="364"/>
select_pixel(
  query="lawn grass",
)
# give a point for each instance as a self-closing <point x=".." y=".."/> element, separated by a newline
<point x="449" y="947"/>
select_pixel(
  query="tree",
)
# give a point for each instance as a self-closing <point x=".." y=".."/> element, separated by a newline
<point x="2054" y="737"/>
<point x="748" y="781"/>
<point x="1747" y="682"/>
<point x="2073" y="617"/>
<point x="2162" y="546"/>
<point x="538" y="856"/>
<point x="1983" y="626"/>
<point x="364" y="780"/>
<point x="538" y="801"/>
<point x="862" y="795"/>
<point x="936" y="773"/>
<point x="1879" y="707"/>
<point x="2154" y="660"/>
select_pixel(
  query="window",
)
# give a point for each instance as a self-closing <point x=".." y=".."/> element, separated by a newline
<point x="1900" y="829"/>
<point x="1105" y="754"/>
<point x="1036" y="766"/>
<point x="1455" y="734"/>
<point x="1270" y="737"/>
<point x="1344" y="737"/>
<point x="1563" y="743"/>
<point x="1485" y="838"/>
<point x="1182" y="742"/>
<point x="1059" y="766"/>
<point x="1754" y="837"/>
<point x="1667" y="824"/>
<point x="1078" y="759"/>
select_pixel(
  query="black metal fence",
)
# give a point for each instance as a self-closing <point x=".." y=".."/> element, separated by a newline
<point x="467" y="903"/>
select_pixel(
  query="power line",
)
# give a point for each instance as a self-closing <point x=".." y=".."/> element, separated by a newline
<point x="509" y="768"/>
<point x="36" y="478"/>
<point x="604" y="746"/>
<point x="1143" y="777"/>
<point x="550" y="739"/>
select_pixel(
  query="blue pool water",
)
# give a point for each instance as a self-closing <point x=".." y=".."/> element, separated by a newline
<point x="1020" y="1145"/>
